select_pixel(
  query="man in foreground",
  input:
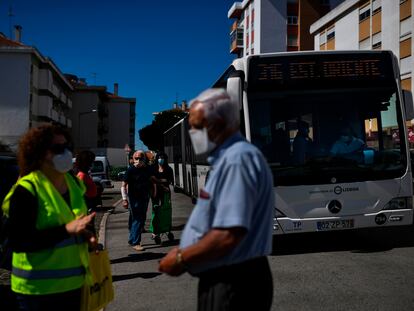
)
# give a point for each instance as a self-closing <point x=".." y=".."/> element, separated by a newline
<point x="229" y="233"/>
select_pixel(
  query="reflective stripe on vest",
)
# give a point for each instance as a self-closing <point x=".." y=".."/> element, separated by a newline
<point x="47" y="274"/>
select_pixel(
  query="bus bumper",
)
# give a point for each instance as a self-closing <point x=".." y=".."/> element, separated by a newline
<point x="386" y="218"/>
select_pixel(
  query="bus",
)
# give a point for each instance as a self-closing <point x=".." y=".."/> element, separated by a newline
<point x="295" y="107"/>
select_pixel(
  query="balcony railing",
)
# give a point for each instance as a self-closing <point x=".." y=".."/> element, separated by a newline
<point x="236" y="40"/>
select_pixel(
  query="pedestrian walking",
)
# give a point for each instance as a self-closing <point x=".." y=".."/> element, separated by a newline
<point x="229" y="233"/>
<point x="135" y="191"/>
<point x="48" y="224"/>
<point x="162" y="178"/>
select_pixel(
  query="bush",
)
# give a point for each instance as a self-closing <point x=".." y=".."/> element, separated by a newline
<point x="115" y="170"/>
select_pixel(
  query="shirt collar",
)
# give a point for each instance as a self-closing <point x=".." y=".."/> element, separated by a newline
<point x="218" y="152"/>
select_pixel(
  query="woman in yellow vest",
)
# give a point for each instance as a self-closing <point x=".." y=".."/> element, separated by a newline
<point x="48" y="224"/>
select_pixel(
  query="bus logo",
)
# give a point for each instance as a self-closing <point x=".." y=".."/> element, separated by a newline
<point x="334" y="206"/>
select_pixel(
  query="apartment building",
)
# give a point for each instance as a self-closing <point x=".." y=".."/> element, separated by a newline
<point x="265" y="26"/>
<point x="104" y="122"/>
<point x="32" y="91"/>
<point x="370" y="24"/>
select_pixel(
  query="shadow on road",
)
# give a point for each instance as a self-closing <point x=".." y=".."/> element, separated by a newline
<point x="163" y="244"/>
<point x="138" y="257"/>
<point x="362" y="241"/>
<point x="143" y="275"/>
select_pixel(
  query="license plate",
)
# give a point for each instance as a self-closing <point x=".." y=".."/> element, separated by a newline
<point x="335" y="224"/>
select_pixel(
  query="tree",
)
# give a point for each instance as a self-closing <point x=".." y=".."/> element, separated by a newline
<point x="152" y="135"/>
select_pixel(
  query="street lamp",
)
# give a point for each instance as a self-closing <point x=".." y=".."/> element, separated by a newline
<point x="79" y="122"/>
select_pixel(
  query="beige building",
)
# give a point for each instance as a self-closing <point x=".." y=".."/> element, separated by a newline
<point x="32" y="91"/>
<point x="370" y="24"/>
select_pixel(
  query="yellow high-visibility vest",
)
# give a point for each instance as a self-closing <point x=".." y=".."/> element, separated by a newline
<point x="60" y="268"/>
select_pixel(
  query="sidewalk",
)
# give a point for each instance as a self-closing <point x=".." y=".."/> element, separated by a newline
<point x="137" y="283"/>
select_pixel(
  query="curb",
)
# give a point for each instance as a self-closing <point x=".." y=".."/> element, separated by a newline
<point x="102" y="229"/>
<point x="102" y="226"/>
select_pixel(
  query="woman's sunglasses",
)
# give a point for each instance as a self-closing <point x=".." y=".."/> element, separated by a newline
<point x="59" y="148"/>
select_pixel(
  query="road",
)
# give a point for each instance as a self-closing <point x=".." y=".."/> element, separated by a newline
<point x="367" y="270"/>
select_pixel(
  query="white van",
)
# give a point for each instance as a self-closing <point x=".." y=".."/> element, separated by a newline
<point x="100" y="172"/>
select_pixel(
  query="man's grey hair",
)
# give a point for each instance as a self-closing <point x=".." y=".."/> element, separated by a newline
<point x="218" y="104"/>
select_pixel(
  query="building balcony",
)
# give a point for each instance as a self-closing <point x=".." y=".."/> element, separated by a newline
<point x="236" y="10"/>
<point x="45" y="80"/>
<point x="44" y="106"/>
<point x="236" y="40"/>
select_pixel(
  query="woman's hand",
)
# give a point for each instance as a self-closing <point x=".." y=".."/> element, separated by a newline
<point x="79" y="226"/>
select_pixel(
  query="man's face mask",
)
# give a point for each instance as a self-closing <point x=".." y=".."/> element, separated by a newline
<point x="201" y="143"/>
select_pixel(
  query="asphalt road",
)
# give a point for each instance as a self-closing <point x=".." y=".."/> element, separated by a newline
<point x="366" y="270"/>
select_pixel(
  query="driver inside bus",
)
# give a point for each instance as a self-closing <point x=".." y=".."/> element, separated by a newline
<point x="348" y="145"/>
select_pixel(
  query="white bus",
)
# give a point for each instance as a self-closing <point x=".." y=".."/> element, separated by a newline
<point x="295" y="107"/>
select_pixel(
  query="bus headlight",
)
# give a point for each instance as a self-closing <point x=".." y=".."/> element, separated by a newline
<point x="399" y="203"/>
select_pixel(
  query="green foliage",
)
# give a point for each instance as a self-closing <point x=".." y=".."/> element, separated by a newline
<point x="114" y="170"/>
<point x="152" y="135"/>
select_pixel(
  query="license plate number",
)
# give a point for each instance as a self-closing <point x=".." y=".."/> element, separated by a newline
<point x="335" y="224"/>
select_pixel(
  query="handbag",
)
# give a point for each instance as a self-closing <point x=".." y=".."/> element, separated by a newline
<point x="97" y="295"/>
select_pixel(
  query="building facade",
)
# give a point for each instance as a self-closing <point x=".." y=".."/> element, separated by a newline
<point x="370" y="24"/>
<point x="265" y="26"/>
<point x="32" y="91"/>
<point x="104" y="122"/>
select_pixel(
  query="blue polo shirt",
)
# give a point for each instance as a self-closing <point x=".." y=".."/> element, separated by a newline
<point x="239" y="193"/>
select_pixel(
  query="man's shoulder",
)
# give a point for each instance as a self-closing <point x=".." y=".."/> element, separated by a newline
<point x="241" y="151"/>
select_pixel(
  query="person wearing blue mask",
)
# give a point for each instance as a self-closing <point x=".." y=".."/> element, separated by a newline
<point x="229" y="233"/>
<point x="163" y="177"/>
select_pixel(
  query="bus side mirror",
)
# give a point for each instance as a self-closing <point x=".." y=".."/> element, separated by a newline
<point x="408" y="105"/>
<point x="234" y="89"/>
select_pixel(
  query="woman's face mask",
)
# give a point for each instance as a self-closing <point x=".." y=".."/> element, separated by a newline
<point x="161" y="161"/>
<point x="63" y="161"/>
<point x="201" y="143"/>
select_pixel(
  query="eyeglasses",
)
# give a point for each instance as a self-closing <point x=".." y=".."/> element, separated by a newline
<point x="141" y="159"/>
<point x="59" y="148"/>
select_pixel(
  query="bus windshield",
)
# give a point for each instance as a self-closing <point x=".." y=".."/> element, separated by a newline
<point x="347" y="130"/>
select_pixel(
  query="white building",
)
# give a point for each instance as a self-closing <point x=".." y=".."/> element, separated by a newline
<point x="32" y="91"/>
<point x="265" y="26"/>
<point x="370" y="24"/>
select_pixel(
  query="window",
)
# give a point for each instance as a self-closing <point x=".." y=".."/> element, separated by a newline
<point x="292" y="20"/>
<point x="405" y="27"/>
<point x="376" y="6"/>
<point x="377" y="46"/>
<point x="322" y="38"/>
<point x="252" y="51"/>
<point x="405" y="65"/>
<point x="376" y="39"/>
<point x="365" y="44"/>
<point x="330" y="34"/>
<point x="364" y="13"/>
<point x="292" y="40"/>
<point x="252" y="36"/>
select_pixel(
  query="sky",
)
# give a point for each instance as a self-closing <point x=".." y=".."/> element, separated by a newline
<point x="158" y="51"/>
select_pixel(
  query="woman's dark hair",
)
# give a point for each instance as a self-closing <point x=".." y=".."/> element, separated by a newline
<point x="164" y="156"/>
<point x="34" y="145"/>
<point x="84" y="160"/>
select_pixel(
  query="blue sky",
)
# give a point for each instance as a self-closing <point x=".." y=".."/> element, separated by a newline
<point x="155" y="50"/>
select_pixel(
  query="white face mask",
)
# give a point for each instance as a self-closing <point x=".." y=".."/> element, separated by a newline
<point x="63" y="162"/>
<point x="201" y="143"/>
